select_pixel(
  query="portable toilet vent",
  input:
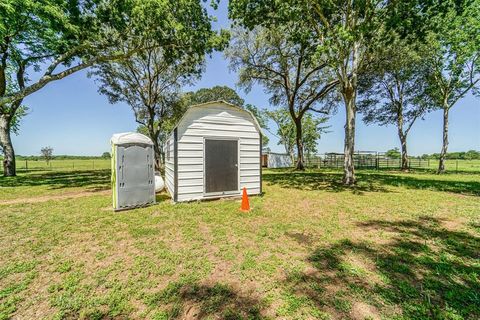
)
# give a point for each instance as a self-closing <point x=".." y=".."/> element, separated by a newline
<point x="133" y="179"/>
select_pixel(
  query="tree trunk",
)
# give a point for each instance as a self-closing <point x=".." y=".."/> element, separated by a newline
<point x="443" y="153"/>
<point x="9" y="166"/>
<point x="158" y="156"/>
<point x="349" y="149"/>
<point x="299" y="140"/>
<point x="403" y="142"/>
<point x="157" y="152"/>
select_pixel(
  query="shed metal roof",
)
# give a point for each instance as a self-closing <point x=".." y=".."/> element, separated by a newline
<point x="207" y="104"/>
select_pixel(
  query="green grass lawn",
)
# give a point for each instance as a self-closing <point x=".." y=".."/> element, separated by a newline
<point x="458" y="165"/>
<point x="396" y="246"/>
<point x="62" y="165"/>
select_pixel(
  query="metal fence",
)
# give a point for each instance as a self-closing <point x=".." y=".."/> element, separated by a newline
<point x="61" y="165"/>
<point x="363" y="160"/>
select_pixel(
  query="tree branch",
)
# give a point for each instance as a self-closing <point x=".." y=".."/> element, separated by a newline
<point x="49" y="77"/>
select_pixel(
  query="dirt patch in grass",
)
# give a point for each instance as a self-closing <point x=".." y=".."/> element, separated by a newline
<point x="72" y="195"/>
<point x="362" y="311"/>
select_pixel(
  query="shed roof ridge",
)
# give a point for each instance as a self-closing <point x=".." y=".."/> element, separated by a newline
<point x="255" y="121"/>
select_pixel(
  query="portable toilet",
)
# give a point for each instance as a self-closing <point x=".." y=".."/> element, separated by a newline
<point x="133" y="178"/>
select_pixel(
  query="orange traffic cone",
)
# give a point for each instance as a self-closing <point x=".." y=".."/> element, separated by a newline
<point x="245" y="203"/>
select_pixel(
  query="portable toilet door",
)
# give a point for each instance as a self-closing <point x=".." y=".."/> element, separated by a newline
<point x="133" y="178"/>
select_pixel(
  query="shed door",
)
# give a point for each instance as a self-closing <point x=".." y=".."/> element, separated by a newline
<point x="221" y="165"/>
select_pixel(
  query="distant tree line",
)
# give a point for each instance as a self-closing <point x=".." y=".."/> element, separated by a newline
<point x="462" y="155"/>
<point x="468" y="155"/>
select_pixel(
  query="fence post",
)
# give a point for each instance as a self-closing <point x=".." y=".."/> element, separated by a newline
<point x="26" y="165"/>
<point x="456" y="166"/>
<point x="93" y="161"/>
<point x="73" y="165"/>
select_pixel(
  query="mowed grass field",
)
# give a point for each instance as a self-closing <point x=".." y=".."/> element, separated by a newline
<point x="63" y="165"/>
<point x="396" y="246"/>
<point x="458" y="165"/>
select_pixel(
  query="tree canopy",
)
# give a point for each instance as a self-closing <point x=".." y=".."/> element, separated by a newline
<point x="215" y="93"/>
<point x="393" y="90"/>
<point x="59" y="37"/>
<point x="454" y="59"/>
<point x="286" y="70"/>
<point x="51" y="39"/>
<point x="150" y="85"/>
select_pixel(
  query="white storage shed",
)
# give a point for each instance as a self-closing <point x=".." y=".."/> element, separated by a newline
<point x="214" y="151"/>
<point x="276" y="160"/>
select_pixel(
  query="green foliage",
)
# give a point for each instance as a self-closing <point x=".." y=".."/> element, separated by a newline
<point x="454" y="47"/>
<point x="213" y="94"/>
<point x="393" y="89"/>
<point x="393" y="153"/>
<point x="262" y="121"/>
<point x="81" y="33"/>
<point x="51" y="39"/>
<point x="312" y="128"/>
<point x="47" y="153"/>
<point x="285" y="129"/>
<point x="17" y="117"/>
<point x="288" y="72"/>
<point x="150" y="84"/>
<point x="469" y="155"/>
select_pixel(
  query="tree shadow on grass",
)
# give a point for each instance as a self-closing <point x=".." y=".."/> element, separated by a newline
<point x="367" y="182"/>
<point x="423" y="271"/>
<point x="330" y="181"/>
<point x="93" y="180"/>
<point x="418" y="181"/>
<point x="192" y="300"/>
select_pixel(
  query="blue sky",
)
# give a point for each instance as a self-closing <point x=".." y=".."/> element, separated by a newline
<point x="73" y="118"/>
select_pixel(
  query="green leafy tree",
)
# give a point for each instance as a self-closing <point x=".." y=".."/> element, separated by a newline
<point x="345" y="34"/>
<point x="214" y="94"/>
<point x="472" y="155"/>
<point x="392" y="92"/>
<point x="314" y="127"/>
<point x="149" y="83"/>
<point x="167" y="126"/>
<point x="287" y="72"/>
<point x="393" y="154"/>
<point x="262" y="121"/>
<point x="42" y="41"/>
<point x="47" y="153"/>
<point x="106" y="155"/>
<point x="454" y="43"/>
<point x="286" y="131"/>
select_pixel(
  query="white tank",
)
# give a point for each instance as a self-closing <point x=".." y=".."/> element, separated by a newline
<point x="159" y="184"/>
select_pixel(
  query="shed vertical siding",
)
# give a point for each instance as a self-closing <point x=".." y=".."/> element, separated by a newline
<point x="169" y="166"/>
<point x="216" y="121"/>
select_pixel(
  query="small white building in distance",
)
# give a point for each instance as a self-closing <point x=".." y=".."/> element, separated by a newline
<point x="214" y="151"/>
